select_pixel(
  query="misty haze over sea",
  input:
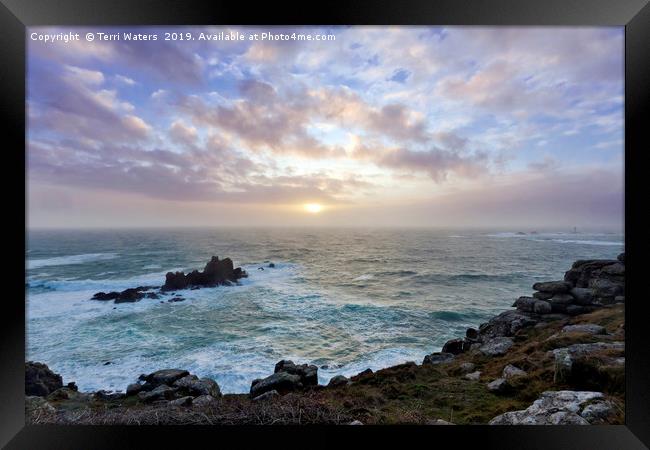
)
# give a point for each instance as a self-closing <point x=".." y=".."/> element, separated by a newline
<point x="343" y="299"/>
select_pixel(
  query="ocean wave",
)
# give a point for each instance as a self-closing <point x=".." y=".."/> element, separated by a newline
<point x="68" y="260"/>
<point x="364" y="277"/>
<point x="579" y="241"/>
<point x="451" y="316"/>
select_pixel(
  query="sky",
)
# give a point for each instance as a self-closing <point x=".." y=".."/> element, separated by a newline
<point x="509" y="127"/>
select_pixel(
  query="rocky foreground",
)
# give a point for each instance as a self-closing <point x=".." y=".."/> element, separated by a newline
<point x="558" y="358"/>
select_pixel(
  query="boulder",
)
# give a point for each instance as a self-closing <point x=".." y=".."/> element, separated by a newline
<point x="437" y="358"/>
<point x="543" y="295"/>
<point x="308" y="373"/>
<point x="338" y="380"/>
<point x="498" y="386"/>
<point x="183" y="401"/>
<point x="589" y="328"/>
<point x="197" y="387"/>
<point x="582" y="271"/>
<point x="621" y="257"/>
<point x="555" y="408"/>
<point x="525" y="304"/>
<point x="40" y="380"/>
<point x="282" y="382"/>
<point x="269" y="395"/>
<point x="473" y="376"/>
<point x="356" y="422"/>
<point x="542" y="307"/>
<point x="582" y="296"/>
<point x="496" y="346"/>
<point x="596" y="355"/>
<point x="511" y="371"/>
<point x="553" y="287"/>
<point x="363" y="374"/>
<point x="162" y="392"/>
<point x="605" y="290"/>
<point x="471" y="333"/>
<point x="166" y="376"/>
<point x="562" y="299"/>
<point x="454" y="346"/>
<point x="204" y="400"/>
<point x="467" y="367"/>
<point x="133" y="389"/>
<point x="505" y="324"/>
<point x="616" y="269"/>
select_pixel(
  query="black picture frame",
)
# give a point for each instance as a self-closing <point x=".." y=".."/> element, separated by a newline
<point x="634" y="15"/>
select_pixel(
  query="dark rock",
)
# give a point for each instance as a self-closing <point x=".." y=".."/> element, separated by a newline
<point x="583" y="271"/>
<point x="598" y="353"/>
<point x="108" y="395"/>
<point x="362" y="374"/>
<point x="133" y="389"/>
<point x="161" y="392"/>
<point x="73" y="386"/>
<point x="525" y="304"/>
<point x="282" y="382"/>
<point x="271" y="265"/>
<point x="454" y="346"/>
<point x="553" y="287"/>
<point x="166" y="376"/>
<point x="505" y="324"/>
<point x="216" y="272"/>
<point x="308" y="373"/>
<point x="542" y="307"/>
<point x="574" y="310"/>
<point x="183" y="401"/>
<point x="562" y="299"/>
<point x="589" y="328"/>
<point x="40" y="380"/>
<point x="471" y="333"/>
<point x="197" y="387"/>
<point x="152" y="295"/>
<point x="176" y="299"/>
<point x="107" y="363"/>
<point x="605" y="288"/>
<point x="437" y="358"/>
<point x="582" y="296"/>
<point x="338" y="380"/>
<point x="204" y="400"/>
<point x="130" y="295"/>
<point x="106" y="296"/>
<point x="268" y="395"/>
<point x="619" y="299"/>
<point x="621" y="257"/>
<point x="543" y="295"/>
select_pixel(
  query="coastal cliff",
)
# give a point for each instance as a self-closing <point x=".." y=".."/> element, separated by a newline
<point x="557" y="358"/>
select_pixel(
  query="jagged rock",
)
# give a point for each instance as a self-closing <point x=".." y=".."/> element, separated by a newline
<point x="197" y="387"/>
<point x="166" y="376"/>
<point x="269" y="395"/>
<point x="498" y="386"/>
<point x="554" y="408"/>
<point x="582" y="296"/>
<point x="553" y="287"/>
<point x="454" y="346"/>
<point x="589" y="328"/>
<point x="308" y="373"/>
<point x="162" y="392"/>
<point x="338" y="380"/>
<point x="282" y="382"/>
<point x="582" y="271"/>
<point x="40" y="380"/>
<point x="38" y="405"/>
<point x="183" y="401"/>
<point x="496" y="346"/>
<point x="511" y="371"/>
<point x="473" y="376"/>
<point x="216" y="272"/>
<point x="566" y="357"/>
<point x="126" y="296"/>
<point x="605" y="290"/>
<point x="437" y="358"/>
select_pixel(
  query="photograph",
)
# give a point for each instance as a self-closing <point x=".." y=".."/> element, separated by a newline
<point x="325" y="225"/>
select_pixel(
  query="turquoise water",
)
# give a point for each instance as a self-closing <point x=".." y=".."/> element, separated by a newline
<point x="345" y="300"/>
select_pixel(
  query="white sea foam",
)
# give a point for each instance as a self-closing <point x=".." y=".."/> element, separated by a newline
<point x="67" y="260"/>
<point x="364" y="277"/>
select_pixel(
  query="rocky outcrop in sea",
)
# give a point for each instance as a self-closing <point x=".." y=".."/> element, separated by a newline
<point x="216" y="273"/>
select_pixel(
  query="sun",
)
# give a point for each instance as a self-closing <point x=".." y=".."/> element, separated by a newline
<point x="313" y="208"/>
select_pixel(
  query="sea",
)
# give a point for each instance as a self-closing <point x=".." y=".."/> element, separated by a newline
<point x="342" y="299"/>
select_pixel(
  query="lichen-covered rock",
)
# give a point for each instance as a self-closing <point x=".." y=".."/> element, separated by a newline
<point x="496" y="346"/>
<point x="467" y="367"/>
<point x="511" y="371"/>
<point x="473" y="376"/>
<point x="505" y="324"/>
<point x="605" y="354"/>
<point x="557" y="408"/>
<point x="498" y="386"/>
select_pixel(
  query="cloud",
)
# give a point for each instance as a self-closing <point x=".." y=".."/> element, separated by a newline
<point x="182" y="133"/>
